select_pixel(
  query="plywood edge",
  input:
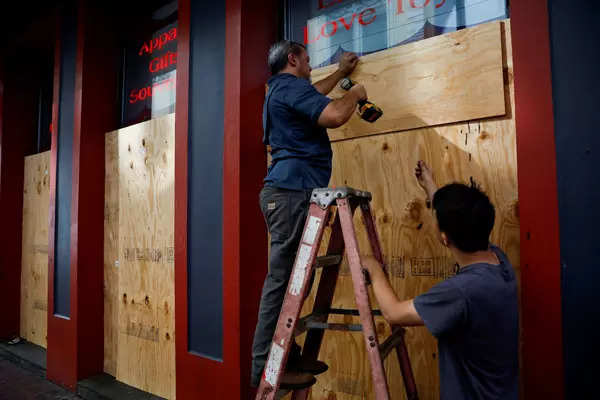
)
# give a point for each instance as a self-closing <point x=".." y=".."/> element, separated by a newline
<point x="111" y="252"/>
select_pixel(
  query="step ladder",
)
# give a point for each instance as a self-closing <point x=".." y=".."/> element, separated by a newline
<point x="343" y="236"/>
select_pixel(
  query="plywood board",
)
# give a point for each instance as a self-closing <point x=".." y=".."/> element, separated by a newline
<point x="111" y="252"/>
<point x="441" y="80"/>
<point x="484" y="150"/>
<point x="34" y="257"/>
<point x="146" y="338"/>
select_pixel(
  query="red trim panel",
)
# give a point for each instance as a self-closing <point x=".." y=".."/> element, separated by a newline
<point x="187" y="365"/>
<point x="246" y="136"/>
<point x="11" y="207"/>
<point x="250" y="30"/>
<point x="62" y="346"/>
<point x="95" y="97"/>
<point x="231" y="198"/>
<point x="197" y="377"/>
<point x="10" y="274"/>
<point x="542" y="373"/>
<point x="18" y="115"/>
<point x="76" y="346"/>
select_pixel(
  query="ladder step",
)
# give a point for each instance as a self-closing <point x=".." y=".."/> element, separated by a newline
<point x="319" y="321"/>
<point x="342" y="311"/>
<point x="391" y="342"/>
<point x="334" y="327"/>
<point x="328" y="261"/>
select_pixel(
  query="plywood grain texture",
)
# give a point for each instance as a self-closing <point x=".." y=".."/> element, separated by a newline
<point x="444" y="79"/>
<point x="481" y="149"/>
<point x="111" y="252"/>
<point x="146" y="338"/>
<point x="34" y="259"/>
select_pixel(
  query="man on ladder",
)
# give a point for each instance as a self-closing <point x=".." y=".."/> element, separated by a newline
<point x="296" y="114"/>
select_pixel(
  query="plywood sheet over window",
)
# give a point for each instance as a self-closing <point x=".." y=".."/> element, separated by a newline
<point x="139" y="260"/>
<point x="34" y="257"/>
<point x="441" y="80"/>
<point x="483" y="149"/>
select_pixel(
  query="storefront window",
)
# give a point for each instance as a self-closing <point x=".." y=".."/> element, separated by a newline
<point x="330" y="27"/>
<point x="150" y="63"/>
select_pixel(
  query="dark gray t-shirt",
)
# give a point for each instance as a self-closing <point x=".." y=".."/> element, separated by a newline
<point x="475" y="317"/>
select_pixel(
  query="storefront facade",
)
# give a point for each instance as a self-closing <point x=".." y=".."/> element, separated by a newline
<point x="204" y="65"/>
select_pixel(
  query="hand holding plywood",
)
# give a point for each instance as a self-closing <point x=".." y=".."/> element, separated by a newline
<point x="449" y="78"/>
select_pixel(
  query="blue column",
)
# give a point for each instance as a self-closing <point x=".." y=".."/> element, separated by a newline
<point x="205" y="179"/>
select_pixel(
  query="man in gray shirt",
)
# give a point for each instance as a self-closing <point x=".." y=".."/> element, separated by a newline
<point x="474" y="315"/>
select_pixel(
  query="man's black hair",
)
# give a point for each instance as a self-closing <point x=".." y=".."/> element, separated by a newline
<point x="278" y="54"/>
<point x="466" y="215"/>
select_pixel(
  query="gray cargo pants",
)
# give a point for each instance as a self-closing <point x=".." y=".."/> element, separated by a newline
<point x="285" y="213"/>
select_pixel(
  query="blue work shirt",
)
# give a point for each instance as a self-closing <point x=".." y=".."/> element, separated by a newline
<point x="475" y="317"/>
<point x="300" y="148"/>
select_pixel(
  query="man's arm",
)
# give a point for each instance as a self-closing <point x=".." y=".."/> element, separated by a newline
<point x="339" y="111"/>
<point x="396" y="312"/>
<point x="346" y="65"/>
<point x="425" y="179"/>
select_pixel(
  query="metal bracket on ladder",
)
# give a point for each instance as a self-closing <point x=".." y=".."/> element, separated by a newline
<point x="289" y="325"/>
<point x="325" y="197"/>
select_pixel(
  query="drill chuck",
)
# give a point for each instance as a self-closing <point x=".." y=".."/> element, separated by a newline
<point x="346" y="84"/>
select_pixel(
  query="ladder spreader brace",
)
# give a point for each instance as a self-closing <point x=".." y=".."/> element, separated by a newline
<point x="289" y="325"/>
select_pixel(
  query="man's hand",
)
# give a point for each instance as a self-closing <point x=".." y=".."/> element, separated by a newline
<point x="396" y="312"/>
<point x="347" y="63"/>
<point x="359" y="91"/>
<point x="425" y="178"/>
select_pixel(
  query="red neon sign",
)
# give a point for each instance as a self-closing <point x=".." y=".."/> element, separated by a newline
<point x="156" y="65"/>
<point x="158" y="42"/>
<point x="322" y="4"/>
<point x="159" y="63"/>
<point x="146" y="92"/>
<point x="364" y="18"/>
<point x="330" y="28"/>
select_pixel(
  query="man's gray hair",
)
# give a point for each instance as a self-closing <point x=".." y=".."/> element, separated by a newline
<point x="278" y="54"/>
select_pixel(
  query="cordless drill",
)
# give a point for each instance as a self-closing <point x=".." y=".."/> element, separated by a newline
<point x="367" y="110"/>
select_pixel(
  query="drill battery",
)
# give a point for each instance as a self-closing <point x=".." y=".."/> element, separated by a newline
<point x="367" y="110"/>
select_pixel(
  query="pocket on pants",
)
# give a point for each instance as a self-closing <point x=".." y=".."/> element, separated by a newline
<point x="275" y="208"/>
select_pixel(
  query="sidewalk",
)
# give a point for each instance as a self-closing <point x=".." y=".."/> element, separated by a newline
<point x="23" y="377"/>
<point x="21" y="380"/>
